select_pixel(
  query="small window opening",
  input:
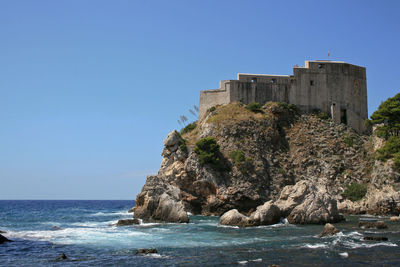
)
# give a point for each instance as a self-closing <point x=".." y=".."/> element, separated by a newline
<point x="343" y="116"/>
<point x="321" y="66"/>
<point x="273" y="81"/>
<point x="254" y="80"/>
<point x="311" y="82"/>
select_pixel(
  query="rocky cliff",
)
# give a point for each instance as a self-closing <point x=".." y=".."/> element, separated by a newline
<point x="268" y="155"/>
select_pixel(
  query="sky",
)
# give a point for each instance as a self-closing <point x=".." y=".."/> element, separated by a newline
<point x="89" y="89"/>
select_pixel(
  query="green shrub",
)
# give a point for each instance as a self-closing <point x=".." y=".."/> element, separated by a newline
<point x="348" y="139"/>
<point x="391" y="150"/>
<point x="387" y="117"/>
<point x="281" y="171"/>
<point x="188" y="128"/>
<point x="243" y="163"/>
<point x="208" y="152"/>
<point x="254" y="107"/>
<point x="355" y="191"/>
<point x="285" y="105"/>
<point x="322" y="115"/>
<point x="183" y="146"/>
<point x="211" y="109"/>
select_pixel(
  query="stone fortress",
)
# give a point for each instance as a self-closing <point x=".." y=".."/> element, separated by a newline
<point x="333" y="87"/>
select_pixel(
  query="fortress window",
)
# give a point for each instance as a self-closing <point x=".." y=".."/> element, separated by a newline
<point x="311" y="82"/>
<point x="343" y="116"/>
<point x="321" y="66"/>
<point x="254" y="80"/>
<point x="273" y="81"/>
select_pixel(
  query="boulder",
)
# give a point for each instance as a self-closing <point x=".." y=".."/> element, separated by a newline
<point x="4" y="239"/>
<point x="62" y="257"/>
<point x="308" y="203"/>
<point x="395" y="219"/>
<point x="368" y="224"/>
<point x="234" y="218"/>
<point x="328" y="230"/>
<point x="131" y="210"/>
<point x="375" y="238"/>
<point x="160" y="202"/>
<point x="144" y="251"/>
<point x="172" y="140"/>
<point x="126" y="222"/>
<point x="266" y="214"/>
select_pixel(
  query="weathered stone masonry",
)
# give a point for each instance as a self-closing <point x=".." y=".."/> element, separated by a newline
<point x="336" y="88"/>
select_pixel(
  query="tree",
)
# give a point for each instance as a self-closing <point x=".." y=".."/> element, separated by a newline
<point x="387" y="117"/>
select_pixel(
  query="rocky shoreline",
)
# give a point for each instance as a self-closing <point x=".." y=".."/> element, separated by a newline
<point x="290" y="165"/>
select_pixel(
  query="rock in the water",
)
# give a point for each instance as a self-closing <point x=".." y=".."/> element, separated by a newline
<point x="395" y="219"/>
<point x="375" y="238"/>
<point x="62" y="257"/>
<point x="2" y="232"/>
<point x="127" y="222"/>
<point x="143" y="251"/>
<point x="308" y="203"/>
<point x="55" y="228"/>
<point x="4" y="239"/>
<point x="265" y="214"/>
<point x="234" y="218"/>
<point x="329" y="230"/>
<point x="377" y="225"/>
<point x="160" y="202"/>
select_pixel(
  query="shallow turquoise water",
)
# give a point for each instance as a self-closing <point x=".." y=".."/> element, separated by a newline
<point x="84" y="231"/>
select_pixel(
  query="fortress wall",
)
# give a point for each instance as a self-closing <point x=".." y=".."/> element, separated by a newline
<point x="211" y="98"/>
<point x="336" y="88"/>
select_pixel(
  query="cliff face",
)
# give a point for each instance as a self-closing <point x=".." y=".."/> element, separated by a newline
<point x="274" y="147"/>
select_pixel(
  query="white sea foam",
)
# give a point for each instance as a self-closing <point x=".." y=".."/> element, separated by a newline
<point x="228" y="226"/>
<point x="257" y="260"/>
<point x="118" y="213"/>
<point x="242" y="262"/>
<point x="315" y="246"/>
<point x="353" y="245"/>
<point x="344" y="254"/>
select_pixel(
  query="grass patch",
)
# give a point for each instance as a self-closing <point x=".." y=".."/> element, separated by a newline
<point x="188" y="128"/>
<point x="355" y="191"/>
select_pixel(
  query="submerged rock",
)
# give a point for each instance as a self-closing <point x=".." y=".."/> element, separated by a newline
<point x="377" y="225"/>
<point x="375" y="238"/>
<point x="4" y="239"/>
<point x="126" y="222"/>
<point x="328" y="230"/>
<point x="143" y="251"/>
<point x="62" y="257"/>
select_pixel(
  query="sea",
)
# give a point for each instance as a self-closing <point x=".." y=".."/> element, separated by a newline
<point x="85" y="231"/>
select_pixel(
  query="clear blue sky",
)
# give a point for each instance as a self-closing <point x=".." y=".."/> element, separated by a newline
<point x="89" y="89"/>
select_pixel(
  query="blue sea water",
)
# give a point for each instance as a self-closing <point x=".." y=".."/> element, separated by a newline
<point x="85" y="231"/>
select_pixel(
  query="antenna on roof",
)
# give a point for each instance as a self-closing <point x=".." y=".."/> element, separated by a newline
<point x="329" y="54"/>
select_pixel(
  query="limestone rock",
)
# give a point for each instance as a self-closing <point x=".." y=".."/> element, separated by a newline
<point x="368" y="225"/>
<point x="395" y="219"/>
<point x="172" y="140"/>
<point x="328" y="230"/>
<point x="308" y="203"/>
<point x="126" y="222"/>
<point x="160" y="202"/>
<point x="266" y="214"/>
<point x="234" y="218"/>
<point x="4" y="239"/>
